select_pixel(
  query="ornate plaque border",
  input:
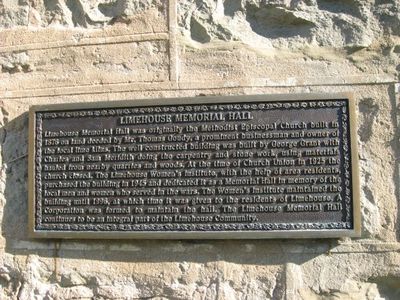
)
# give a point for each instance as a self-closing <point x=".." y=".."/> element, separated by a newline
<point x="351" y="227"/>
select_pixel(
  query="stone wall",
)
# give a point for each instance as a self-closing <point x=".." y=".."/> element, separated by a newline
<point x="61" y="51"/>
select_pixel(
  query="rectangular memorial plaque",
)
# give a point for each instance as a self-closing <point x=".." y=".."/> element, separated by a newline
<point x="275" y="166"/>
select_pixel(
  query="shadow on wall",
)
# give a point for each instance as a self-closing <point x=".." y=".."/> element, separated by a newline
<point x="15" y="169"/>
<point x="15" y="228"/>
<point x="377" y="218"/>
<point x="275" y="22"/>
<point x="395" y="107"/>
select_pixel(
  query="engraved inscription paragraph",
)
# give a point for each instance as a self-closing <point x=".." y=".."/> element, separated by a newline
<point x="250" y="166"/>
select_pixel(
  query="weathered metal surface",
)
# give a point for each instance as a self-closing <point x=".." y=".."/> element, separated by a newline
<point x="227" y="167"/>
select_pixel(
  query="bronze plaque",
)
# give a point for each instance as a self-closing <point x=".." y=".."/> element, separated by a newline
<point x="219" y="167"/>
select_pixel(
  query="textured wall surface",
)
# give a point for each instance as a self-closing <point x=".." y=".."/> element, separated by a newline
<point x="60" y="51"/>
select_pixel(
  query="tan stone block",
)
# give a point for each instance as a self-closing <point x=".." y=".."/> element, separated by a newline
<point x="145" y="61"/>
<point x="232" y="62"/>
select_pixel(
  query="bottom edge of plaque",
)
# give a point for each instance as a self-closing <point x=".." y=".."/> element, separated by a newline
<point x="293" y="234"/>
